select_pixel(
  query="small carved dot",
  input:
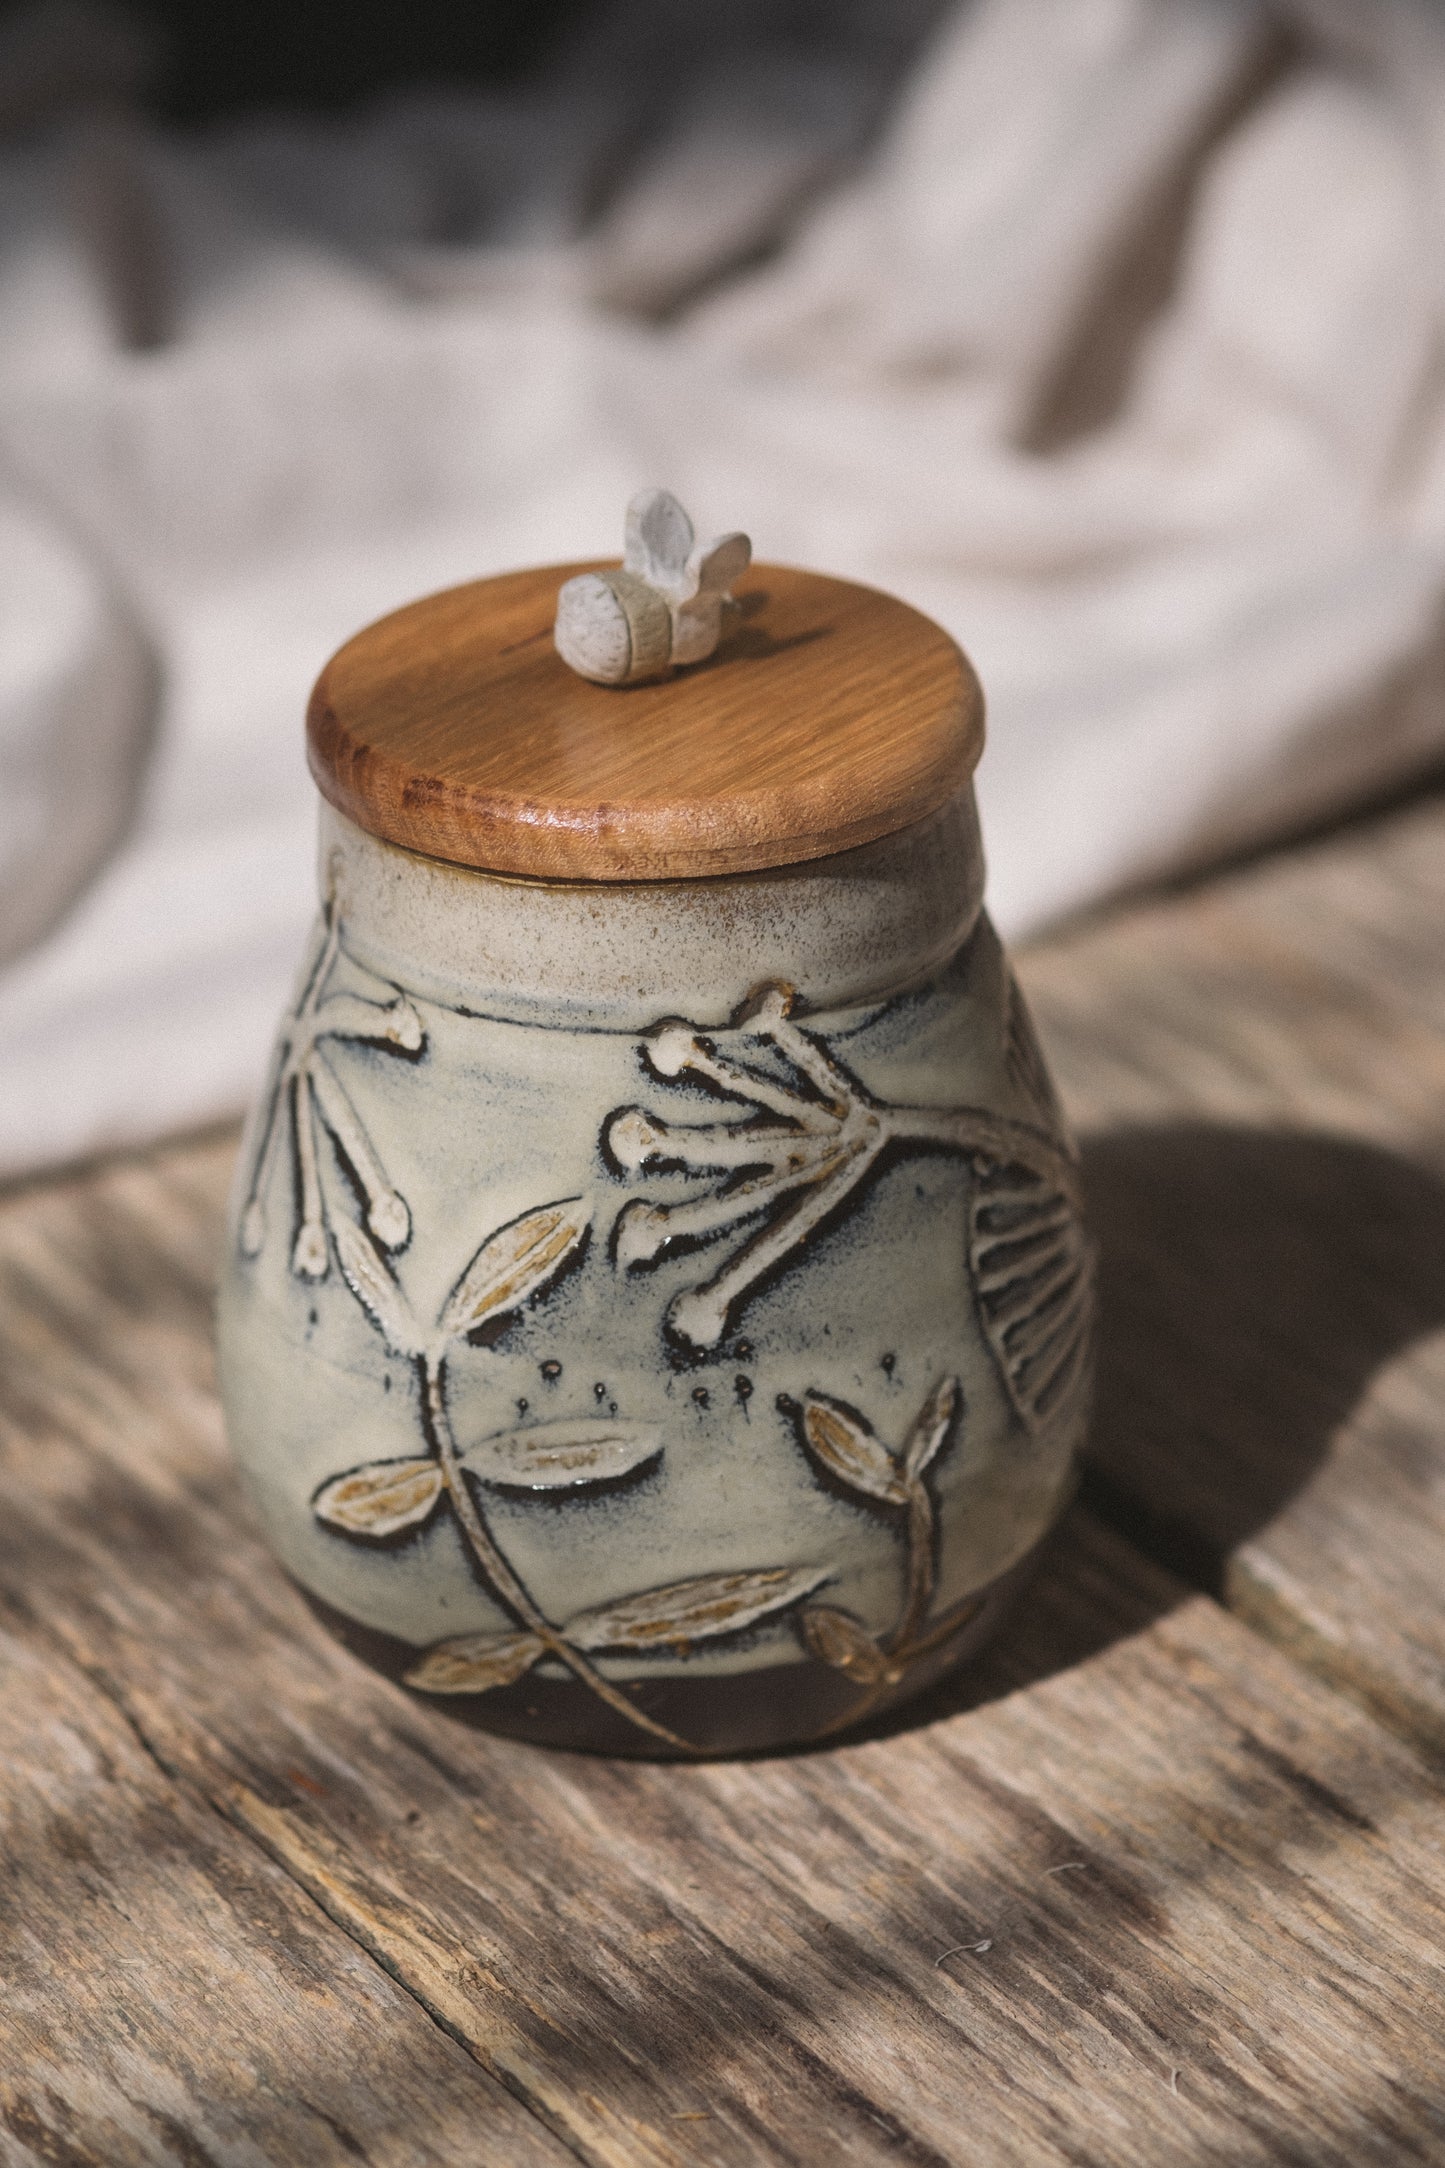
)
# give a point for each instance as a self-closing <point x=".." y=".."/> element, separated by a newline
<point x="551" y="1371"/>
<point x="522" y="1406"/>
<point x="700" y="1395"/>
<point x="600" y="1391"/>
<point x="744" y="1350"/>
<point x="743" y="1387"/>
<point x="887" y="1364"/>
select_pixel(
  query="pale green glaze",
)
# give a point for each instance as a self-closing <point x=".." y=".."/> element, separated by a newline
<point x="483" y="1043"/>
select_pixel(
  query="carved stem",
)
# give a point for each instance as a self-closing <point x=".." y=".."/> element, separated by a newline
<point x="308" y="1255"/>
<point x="325" y="957"/>
<point x="700" y="1313"/>
<point x="297" y="1045"/>
<point x="920" y="1569"/>
<point x="989" y="1136"/>
<point x="943" y="1629"/>
<point x="763" y="1091"/>
<point x="500" y="1574"/>
<point x="340" y="1117"/>
<point x="253" y="1217"/>
<point x="905" y="1643"/>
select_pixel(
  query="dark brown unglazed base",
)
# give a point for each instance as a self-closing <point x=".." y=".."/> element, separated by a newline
<point x="749" y="1712"/>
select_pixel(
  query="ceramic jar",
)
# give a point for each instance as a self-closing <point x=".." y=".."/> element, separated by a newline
<point x="655" y="1312"/>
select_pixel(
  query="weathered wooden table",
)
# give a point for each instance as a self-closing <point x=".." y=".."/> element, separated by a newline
<point x="1162" y="1883"/>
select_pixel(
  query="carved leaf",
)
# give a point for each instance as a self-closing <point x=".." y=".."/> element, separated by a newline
<point x="1033" y="1269"/>
<point x="686" y="1611"/>
<point x="513" y="1264"/>
<point x="931" y="1426"/>
<point x="375" y="1289"/>
<point x="475" y="1663"/>
<point x="836" y="1638"/>
<point x="849" y="1450"/>
<point x="381" y="1498"/>
<point x="552" y="1456"/>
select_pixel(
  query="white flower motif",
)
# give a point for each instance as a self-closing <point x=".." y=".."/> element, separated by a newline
<point x="796" y="1153"/>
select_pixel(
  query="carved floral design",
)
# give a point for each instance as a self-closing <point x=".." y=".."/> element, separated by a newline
<point x="845" y="1445"/>
<point x="306" y="1097"/>
<point x="1032" y="1271"/>
<point x="796" y="1150"/>
<point x="800" y="1149"/>
<point x="517" y="1264"/>
<point x="673" y="1618"/>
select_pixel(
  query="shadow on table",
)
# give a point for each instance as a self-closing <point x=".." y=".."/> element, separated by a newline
<point x="1252" y="1282"/>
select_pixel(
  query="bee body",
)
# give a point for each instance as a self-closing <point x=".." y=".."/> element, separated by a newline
<point x="660" y="610"/>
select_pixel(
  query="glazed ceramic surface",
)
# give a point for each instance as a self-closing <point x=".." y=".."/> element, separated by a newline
<point x="655" y="1318"/>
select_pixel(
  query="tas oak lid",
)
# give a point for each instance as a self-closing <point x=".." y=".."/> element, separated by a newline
<point x="830" y="715"/>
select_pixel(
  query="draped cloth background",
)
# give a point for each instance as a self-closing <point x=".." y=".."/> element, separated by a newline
<point x="1107" y="331"/>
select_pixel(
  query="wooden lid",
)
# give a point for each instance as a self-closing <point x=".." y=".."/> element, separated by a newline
<point x="830" y="715"/>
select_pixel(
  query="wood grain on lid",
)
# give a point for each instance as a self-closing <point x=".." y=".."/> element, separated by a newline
<point x="831" y="714"/>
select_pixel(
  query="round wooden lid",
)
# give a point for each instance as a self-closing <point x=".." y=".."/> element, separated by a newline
<point x="830" y="715"/>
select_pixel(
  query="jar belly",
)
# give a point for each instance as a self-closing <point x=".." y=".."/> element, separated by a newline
<point x="697" y="1388"/>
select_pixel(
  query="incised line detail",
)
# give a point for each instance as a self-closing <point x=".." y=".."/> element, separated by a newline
<point x="800" y="1149"/>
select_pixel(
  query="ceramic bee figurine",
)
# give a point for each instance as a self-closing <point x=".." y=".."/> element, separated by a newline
<point x="661" y="610"/>
<point x="656" y="1313"/>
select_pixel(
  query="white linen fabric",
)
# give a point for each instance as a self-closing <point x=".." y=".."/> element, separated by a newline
<point x="1107" y="331"/>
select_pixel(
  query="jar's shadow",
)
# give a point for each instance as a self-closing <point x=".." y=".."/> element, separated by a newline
<point x="1252" y="1282"/>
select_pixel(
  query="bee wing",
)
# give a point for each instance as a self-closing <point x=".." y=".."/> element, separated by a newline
<point x="718" y="563"/>
<point x="658" y="538"/>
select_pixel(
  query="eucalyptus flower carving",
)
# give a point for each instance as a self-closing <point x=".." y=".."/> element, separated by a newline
<point x="797" y="1149"/>
<point x="307" y="1099"/>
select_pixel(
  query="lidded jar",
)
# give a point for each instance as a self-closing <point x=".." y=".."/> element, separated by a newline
<point x="655" y="1315"/>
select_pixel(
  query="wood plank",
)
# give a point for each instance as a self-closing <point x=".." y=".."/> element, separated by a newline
<point x="830" y="715"/>
<point x="171" y="1996"/>
<point x="1258" y="1068"/>
<point x="1155" y="1895"/>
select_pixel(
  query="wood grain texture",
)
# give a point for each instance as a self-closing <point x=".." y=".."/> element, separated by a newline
<point x="831" y="715"/>
<point x="1258" y="1068"/>
<point x="1143" y="1891"/>
<point x="172" y="1996"/>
